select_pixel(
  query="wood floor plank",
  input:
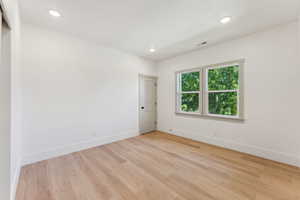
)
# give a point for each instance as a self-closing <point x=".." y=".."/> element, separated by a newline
<point x="60" y="174"/>
<point x="159" y="166"/>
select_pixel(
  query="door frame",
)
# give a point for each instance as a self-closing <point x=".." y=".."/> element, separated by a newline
<point x="140" y="76"/>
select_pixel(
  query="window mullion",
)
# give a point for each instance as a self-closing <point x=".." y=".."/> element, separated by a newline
<point x="200" y="92"/>
<point x="205" y="96"/>
<point x="222" y="91"/>
<point x="179" y="97"/>
<point x="190" y="92"/>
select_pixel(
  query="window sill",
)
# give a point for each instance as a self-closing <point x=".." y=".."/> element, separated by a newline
<point x="237" y="118"/>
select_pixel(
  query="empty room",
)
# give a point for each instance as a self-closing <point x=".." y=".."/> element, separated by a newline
<point x="150" y="100"/>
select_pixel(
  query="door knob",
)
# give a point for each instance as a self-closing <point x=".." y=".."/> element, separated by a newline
<point x="142" y="107"/>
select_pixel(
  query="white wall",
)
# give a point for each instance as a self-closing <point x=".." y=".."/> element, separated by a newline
<point x="76" y="94"/>
<point x="299" y="65"/>
<point x="272" y="97"/>
<point x="4" y="116"/>
<point x="10" y="142"/>
<point x="16" y="105"/>
<point x="299" y="35"/>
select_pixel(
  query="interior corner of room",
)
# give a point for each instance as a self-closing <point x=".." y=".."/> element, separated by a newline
<point x="149" y="99"/>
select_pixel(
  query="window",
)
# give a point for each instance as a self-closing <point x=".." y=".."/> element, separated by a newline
<point x="214" y="90"/>
<point x="190" y="94"/>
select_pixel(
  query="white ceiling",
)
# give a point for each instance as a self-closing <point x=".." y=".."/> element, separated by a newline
<point x="171" y="26"/>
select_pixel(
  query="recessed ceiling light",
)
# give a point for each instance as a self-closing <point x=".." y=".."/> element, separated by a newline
<point x="225" y="20"/>
<point x="54" y="13"/>
<point x="152" y="50"/>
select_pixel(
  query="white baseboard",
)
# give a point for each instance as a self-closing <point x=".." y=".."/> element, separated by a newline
<point x="59" y="151"/>
<point x="250" y="149"/>
<point x="15" y="181"/>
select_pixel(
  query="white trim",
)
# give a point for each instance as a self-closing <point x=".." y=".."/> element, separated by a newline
<point x="63" y="150"/>
<point x="197" y="114"/>
<point x="244" y="148"/>
<point x="15" y="181"/>
<point x="193" y="69"/>
<point x="221" y="91"/>
<point x="224" y="116"/>
<point x="148" y="76"/>
<point x="225" y="64"/>
<point x="191" y="92"/>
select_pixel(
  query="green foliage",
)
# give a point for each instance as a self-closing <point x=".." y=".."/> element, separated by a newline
<point x="226" y="78"/>
<point x="190" y="102"/>
<point x="220" y="103"/>
<point x="190" y="81"/>
<point x="223" y="79"/>
<point x="223" y="103"/>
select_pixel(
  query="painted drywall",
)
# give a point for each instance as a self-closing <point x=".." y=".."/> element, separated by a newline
<point x="76" y="94"/>
<point x="272" y="69"/>
<point x="10" y="106"/>
<point x="299" y="65"/>
<point x="299" y="35"/>
<point x="5" y="98"/>
<point x="16" y="105"/>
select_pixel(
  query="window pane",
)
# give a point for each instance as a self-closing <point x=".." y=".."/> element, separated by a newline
<point x="226" y="78"/>
<point x="190" y="102"/>
<point x="190" y="81"/>
<point x="222" y="103"/>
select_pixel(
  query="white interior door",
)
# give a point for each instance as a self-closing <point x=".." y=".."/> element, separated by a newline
<point x="147" y="104"/>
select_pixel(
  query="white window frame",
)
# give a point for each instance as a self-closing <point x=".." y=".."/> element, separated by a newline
<point x="179" y="92"/>
<point x="203" y="92"/>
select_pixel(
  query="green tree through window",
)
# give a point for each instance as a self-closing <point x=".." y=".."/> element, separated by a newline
<point x="190" y="84"/>
<point x="225" y="80"/>
<point x="190" y="102"/>
<point x="222" y="103"/>
<point x="219" y="95"/>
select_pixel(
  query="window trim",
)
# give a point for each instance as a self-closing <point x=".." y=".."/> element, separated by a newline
<point x="203" y="93"/>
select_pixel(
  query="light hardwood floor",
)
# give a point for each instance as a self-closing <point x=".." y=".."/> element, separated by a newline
<point x="159" y="166"/>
